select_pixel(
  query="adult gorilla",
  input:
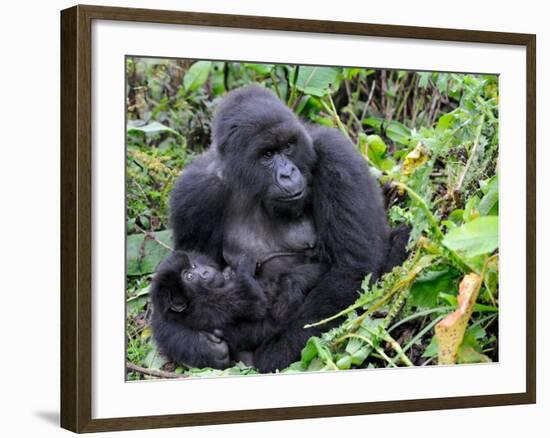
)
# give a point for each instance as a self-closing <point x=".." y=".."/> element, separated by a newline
<point x="286" y="194"/>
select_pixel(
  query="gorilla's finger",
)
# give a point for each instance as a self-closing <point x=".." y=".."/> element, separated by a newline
<point x="218" y="333"/>
<point x="213" y="338"/>
<point x="221" y="350"/>
<point x="245" y="357"/>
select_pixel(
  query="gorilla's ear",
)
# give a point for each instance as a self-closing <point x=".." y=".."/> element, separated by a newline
<point x="178" y="302"/>
<point x="225" y="135"/>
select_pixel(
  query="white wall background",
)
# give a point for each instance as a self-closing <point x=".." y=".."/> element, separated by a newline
<point x="29" y="214"/>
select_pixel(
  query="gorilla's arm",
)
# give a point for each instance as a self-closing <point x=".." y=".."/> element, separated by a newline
<point x="191" y="347"/>
<point x="350" y="219"/>
<point x="196" y="208"/>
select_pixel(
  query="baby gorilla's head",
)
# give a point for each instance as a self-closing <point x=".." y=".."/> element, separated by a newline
<point x="199" y="274"/>
<point x="184" y="275"/>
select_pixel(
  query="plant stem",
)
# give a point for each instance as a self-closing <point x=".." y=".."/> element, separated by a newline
<point x="422" y="204"/>
<point x="331" y="110"/>
<point x="397" y="348"/>
<point x="379" y="350"/>
<point x="472" y="155"/>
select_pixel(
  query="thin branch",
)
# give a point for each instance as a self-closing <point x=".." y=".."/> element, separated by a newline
<point x="152" y="236"/>
<point x="367" y="103"/>
<point x="155" y="373"/>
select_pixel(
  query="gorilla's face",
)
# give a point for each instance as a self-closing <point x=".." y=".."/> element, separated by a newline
<point x="282" y="158"/>
<point x="184" y="275"/>
<point x="197" y="274"/>
<point x="266" y="153"/>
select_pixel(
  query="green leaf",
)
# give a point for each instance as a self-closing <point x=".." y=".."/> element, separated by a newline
<point x="471" y="209"/>
<point x="261" y="69"/>
<point x="427" y="287"/>
<point x="154" y="360"/>
<point x="344" y="362"/>
<point x="424" y="79"/>
<point x="357" y="350"/>
<point x="144" y="252"/>
<point x="196" y="76"/>
<point x="395" y="131"/>
<point x="474" y="238"/>
<point x="150" y="128"/>
<point x="375" y="149"/>
<point x="484" y="308"/>
<point x="432" y="349"/>
<point x="470" y="350"/>
<point x="135" y="306"/>
<point x="309" y="352"/>
<point x="489" y="203"/>
<point x="316" y="80"/>
<point x="446" y="121"/>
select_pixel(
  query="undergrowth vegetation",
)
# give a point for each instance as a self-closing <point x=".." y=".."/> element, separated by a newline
<point x="432" y="141"/>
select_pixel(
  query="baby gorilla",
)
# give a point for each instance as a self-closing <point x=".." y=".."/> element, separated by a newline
<point x="191" y="291"/>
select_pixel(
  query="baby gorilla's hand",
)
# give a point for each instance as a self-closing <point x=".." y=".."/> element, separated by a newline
<point x="216" y="349"/>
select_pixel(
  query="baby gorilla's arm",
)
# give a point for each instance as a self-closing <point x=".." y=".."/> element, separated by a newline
<point x="253" y="297"/>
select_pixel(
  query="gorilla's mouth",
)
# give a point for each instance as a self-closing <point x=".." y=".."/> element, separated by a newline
<point x="216" y="281"/>
<point x="294" y="197"/>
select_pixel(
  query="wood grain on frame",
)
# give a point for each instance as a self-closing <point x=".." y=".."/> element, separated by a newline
<point x="76" y="225"/>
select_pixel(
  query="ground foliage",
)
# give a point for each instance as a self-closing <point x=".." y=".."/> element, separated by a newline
<point x="432" y="141"/>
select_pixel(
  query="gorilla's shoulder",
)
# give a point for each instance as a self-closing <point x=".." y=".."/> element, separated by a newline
<point x="205" y="169"/>
<point x="336" y="151"/>
<point x="197" y="203"/>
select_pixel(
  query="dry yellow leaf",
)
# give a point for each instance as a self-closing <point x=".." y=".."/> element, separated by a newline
<point x="449" y="332"/>
<point x="415" y="158"/>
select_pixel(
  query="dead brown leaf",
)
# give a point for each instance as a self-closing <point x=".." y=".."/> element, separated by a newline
<point x="449" y="331"/>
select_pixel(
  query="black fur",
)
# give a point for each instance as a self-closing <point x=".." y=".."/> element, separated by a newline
<point x="210" y="302"/>
<point x="234" y="200"/>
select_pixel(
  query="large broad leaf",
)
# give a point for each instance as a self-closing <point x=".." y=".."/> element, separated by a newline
<point x="145" y="251"/>
<point x="261" y="69"/>
<point x="474" y="238"/>
<point x="489" y="203"/>
<point x="197" y="75"/>
<point x="395" y="131"/>
<point x="315" y="348"/>
<point x="154" y="359"/>
<point x="150" y="128"/>
<point x="316" y="80"/>
<point x="427" y="287"/>
<point x="375" y="149"/>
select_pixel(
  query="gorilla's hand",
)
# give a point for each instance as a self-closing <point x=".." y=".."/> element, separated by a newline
<point x="246" y="265"/>
<point x="245" y="357"/>
<point x="215" y="348"/>
<point x="276" y="353"/>
<point x="288" y="299"/>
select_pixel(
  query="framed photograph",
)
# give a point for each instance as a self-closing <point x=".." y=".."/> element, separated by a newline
<point x="267" y="218"/>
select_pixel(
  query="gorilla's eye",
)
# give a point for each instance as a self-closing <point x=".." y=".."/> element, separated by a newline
<point x="189" y="276"/>
<point x="268" y="154"/>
